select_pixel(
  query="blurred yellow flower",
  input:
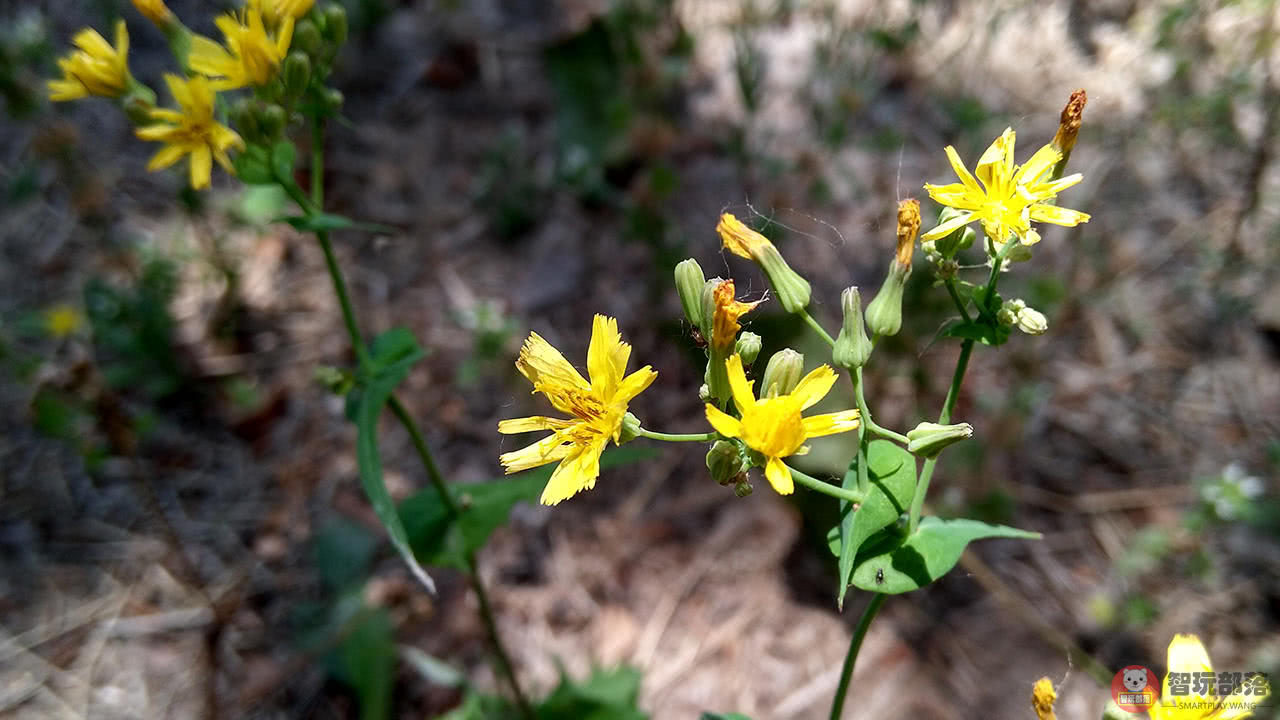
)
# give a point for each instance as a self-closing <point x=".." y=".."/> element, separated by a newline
<point x="192" y="131"/>
<point x="597" y="408"/>
<point x="774" y="426"/>
<point x="251" y="56"/>
<point x="1187" y="655"/>
<point x="273" y="11"/>
<point x="95" y="69"/>
<point x="1042" y="699"/>
<point x="62" y="320"/>
<point x="154" y="10"/>
<point x="724" y="318"/>
<point x="1009" y="198"/>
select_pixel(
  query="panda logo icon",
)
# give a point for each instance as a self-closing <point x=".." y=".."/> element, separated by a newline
<point x="1135" y="679"/>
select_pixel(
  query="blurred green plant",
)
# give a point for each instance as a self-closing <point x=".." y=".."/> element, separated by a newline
<point x="133" y="330"/>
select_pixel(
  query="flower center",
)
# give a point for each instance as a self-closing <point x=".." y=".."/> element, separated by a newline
<point x="773" y="426"/>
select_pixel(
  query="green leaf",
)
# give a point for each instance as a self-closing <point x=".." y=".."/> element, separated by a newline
<point x="438" y="540"/>
<point x="892" y="471"/>
<point x="394" y="352"/>
<point x="343" y="551"/>
<point x="253" y="166"/>
<point x="979" y="331"/>
<point x="723" y="716"/>
<point x="283" y="155"/>
<point x="605" y="695"/>
<point x="327" y="222"/>
<point x="367" y="656"/>
<point x="892" y="564"/>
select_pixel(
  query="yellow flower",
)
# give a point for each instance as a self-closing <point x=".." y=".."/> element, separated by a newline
<point x="791" y="289"/>
<point x="597" y="408"/>
<point x="62" y="320"/>
<point x="1187" y="655"/>
<point x="154" y="10"/>
<point x="774" y="426"/>
<point x="1009" y="198"/>
<point x="1042" y="699"/>
<point x="273" y="11"/>
<point x="724" y="319"/>
<point x="740" y="239"/>
<point x="251" y="56"/>
<point x="192" y="131"/>
<point x="95" y="69"/>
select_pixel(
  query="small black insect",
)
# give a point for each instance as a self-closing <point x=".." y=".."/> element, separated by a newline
<point x="879" y="576"/>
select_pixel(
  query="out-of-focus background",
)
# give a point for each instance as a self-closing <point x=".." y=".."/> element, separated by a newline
<point x="181" y="520"/>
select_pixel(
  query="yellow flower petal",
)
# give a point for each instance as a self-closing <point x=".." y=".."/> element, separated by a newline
<point x="541" y="363"/>
<point x="606" y="355"/>
<point x="814" y="386"/>
<point x="576" y="473"/>
<point x="546" y="450"/>
<point x="530" y="424"/>
<point x="725" y="424"/>
<point x="1057" y="216"/>
<point x="831" y="423"/>
<point x="779" y="476"/>
<point x="739" y="386"/>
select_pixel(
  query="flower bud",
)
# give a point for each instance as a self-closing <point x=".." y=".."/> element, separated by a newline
<point x="748" y="348"/>
<point x="928" y="439"/>
<point x="792" y="290"/>
<point x="335" y="25"/>
<point x="707" y="306"/>
<point x="307" y="38"/>
<point x="724" y="317"/>
<point x="271" y="120"/>
<point x="782" y="374"/>
<point x="884" y="313"/>
<point x="333" y="99"/>
<point x="629" y="430"/>
<point x="960" y="239"/>
<point x="1068" y="127"/>
<point x="296" y="73"/>
<point x="244" y="118"/>
<point x="725" y="462"/>
<point x="155" y="11"/>
<point x="853" y="347"/>
<point x="742" y="489"/>
<point x="1032" y="322"/>
<point x="689" y="284"/>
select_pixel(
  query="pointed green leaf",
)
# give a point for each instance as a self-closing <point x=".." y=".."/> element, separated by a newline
<point x="327" y="222"/>
<point x="892" y="564"/>
<point x="253" y="166"/>
<point x="892" y="473"/>
<point x="437" y="540"/>
<point x="367" y="657"/>
<point x="394" y="353"/>
<point x="978" y="331"/>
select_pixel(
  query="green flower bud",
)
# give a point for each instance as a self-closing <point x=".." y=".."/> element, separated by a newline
<point x="630" y="429"/>
<point x="689" y="284"/>
<point x="333" y="99"/>
<point x="244" y="118"/>
<point x="853" y="347"/>
<point x="335" y="380"/>
<point x="1008" y="312"/>
<point x="928" y="439"/>
<point x="725" y="462"/>
<point x="742" y="489"/>
<point x="707" y="306"/>
<point x="782" y="374"/>
<point x="704" y="392"/>
<point x="335" y="25"/>
<point x="307" y="38"/>
<point x="296" y="73"/>
<point x="884" y="314"/>
<point x="960" y="239"/>
<point x="271" y="120"/>
<point x="748" y="348"/>
<point x="792" y="290"/>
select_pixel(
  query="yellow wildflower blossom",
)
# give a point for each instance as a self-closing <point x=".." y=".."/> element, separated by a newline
<point x="251" y="56"/>
<point x="1043" y="697"/>
<point x="154" y="10"/>
<point x="597" y="408"/>
<point x="724" y="319"/>
<point x="62" y="320"/>
<point x="1009" y="198"/>
<point x="1187" y="655"/>
<point x="774" y="426"/>
<point x="192" y="131"/>
<point x="273" y="11"/>
<point x="95" y="69"/>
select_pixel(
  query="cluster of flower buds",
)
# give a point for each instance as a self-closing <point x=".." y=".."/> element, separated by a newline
<point x="1027" y="319"/>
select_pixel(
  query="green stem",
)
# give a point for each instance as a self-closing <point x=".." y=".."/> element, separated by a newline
<point x="676" y="437"/>
<point x="926" y="472"/>
<point x="955" y="296"/>
<point x="865" y="413"/>
<point x="855" y="644"/>
<point x="817" y="328"/>
<point x="314" y="205"/>
<point x="826" y="488"/>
